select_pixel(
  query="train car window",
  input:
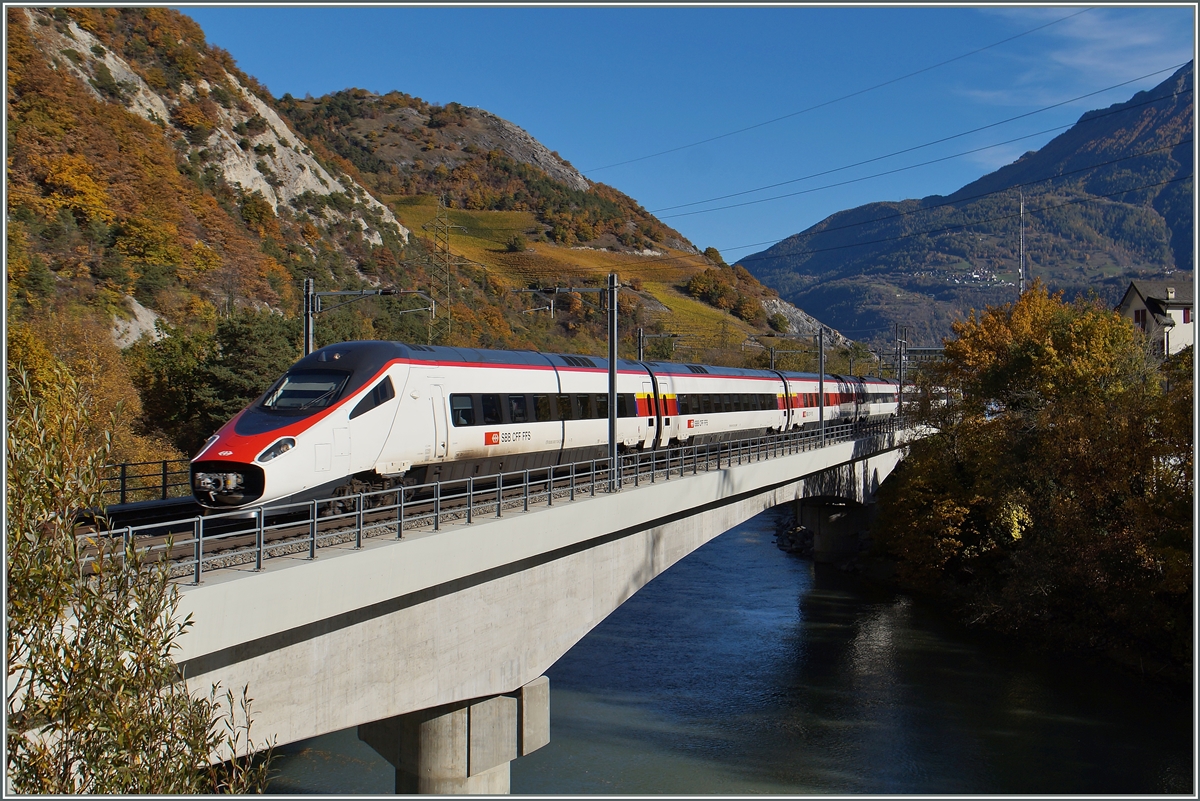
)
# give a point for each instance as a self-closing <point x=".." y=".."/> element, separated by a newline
<point x="462" y="410"/>
<point x="491" y="409"/>
<point x="627" y="405"/>
<point x="585" y="407"/>
<point x="306" y="390"/>
<point x="602" y="406"/>
<point x="565" y="411"/>
<point x="727" y="403"/>
<point x="706" y="404"/>
<point x="516" y="409"/>
<point x="681" y="403"/>
<point x="541" y="408"/>
<point x="380" y="394"/>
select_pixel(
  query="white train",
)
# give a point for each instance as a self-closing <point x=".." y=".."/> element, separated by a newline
<point x="362" y="415"/>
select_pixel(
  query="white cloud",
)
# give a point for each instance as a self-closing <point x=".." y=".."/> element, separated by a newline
<point x="1100" y="47"/>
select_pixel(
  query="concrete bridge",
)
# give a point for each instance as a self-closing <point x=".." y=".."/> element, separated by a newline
<point x="435" y="645"/>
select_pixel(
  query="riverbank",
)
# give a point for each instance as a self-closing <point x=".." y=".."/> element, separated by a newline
<point x="880" y="570"/>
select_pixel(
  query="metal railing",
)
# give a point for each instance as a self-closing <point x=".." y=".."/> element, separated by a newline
<point x="133" y="482"/>
<point x="248" y="536"/>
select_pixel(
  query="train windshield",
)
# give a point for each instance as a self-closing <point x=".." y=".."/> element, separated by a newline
<point x="306" y="390"/>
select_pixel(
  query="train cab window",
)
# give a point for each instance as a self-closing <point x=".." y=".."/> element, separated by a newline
<point x="564" y="408"/>
<point x="306" y="390"/>
<point x="491" y="409"/>
<point x="541" y="408"/>
<point x="462" y="410"/>
<point x="516" y="409"/>
<point x="602" y="406"/>
<point x="380" y="394"/>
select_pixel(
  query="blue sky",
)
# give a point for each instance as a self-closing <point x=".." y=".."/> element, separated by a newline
<point x="613" y="89"/>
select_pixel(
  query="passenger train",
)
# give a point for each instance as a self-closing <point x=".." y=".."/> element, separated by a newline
<point x="369" y="415"/>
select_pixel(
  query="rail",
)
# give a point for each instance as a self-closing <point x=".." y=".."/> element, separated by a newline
<point x="133" y="482"/>
<point x="250" y="536"/>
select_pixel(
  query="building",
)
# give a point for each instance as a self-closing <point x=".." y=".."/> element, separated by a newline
<point x="1163" y="309"/>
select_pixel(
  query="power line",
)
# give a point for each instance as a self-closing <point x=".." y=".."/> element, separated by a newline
<point x="1078" y="201"/>
<point x="666" y="259"/>
<point x="1094" y="117"/>
<point x="935" y="142"/>
<point x="949" y="228"/>
<point x="900" y="214"/>
<point x="835" y="100"/>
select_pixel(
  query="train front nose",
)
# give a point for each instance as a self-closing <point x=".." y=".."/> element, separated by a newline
<point x="221" y="484"/>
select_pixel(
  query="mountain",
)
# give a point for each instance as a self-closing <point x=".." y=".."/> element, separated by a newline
<point x="149" y="178"/>
<point x="1106" y="201"/>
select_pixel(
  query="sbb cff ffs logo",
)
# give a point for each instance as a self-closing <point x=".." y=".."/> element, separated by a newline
<point x="491" y="438"/>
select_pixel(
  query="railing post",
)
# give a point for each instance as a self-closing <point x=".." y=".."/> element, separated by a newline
<point x="258" y="541"/>
<point x="124" y="473"/>
<point x="526" y="490"/>
<point x="164" y="479"/>
<point x="198" y="530"/>
<point x="571" y="495"/>
<point x="312" y="531"/>
<point x="437" y="504"/>
<point x="607" y="470"/>
<point x="470" y="496"/>
<point x="399" y="512"/>
<point x="358" y="521"/>
<point x="550" y="483"/>
<point x="499" y="493"/>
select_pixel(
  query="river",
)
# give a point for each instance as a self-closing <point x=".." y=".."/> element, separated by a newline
<point x="743" y="670"/>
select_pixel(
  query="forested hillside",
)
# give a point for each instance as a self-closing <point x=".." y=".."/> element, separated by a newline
<point x="149" y="176"/>
<point x="1108" y="200"/>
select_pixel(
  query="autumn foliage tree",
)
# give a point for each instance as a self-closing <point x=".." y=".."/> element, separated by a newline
<point x="95" y="702"/>
<point x="1054" y="499"/>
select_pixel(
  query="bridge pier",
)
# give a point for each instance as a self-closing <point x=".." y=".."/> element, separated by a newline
<point x="464" y="747"/>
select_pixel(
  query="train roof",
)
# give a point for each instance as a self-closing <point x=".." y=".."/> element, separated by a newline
<point x="371" y="355"/>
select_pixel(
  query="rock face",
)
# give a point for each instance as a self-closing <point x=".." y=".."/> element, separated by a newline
<point x="127" y="332"/>
<point x="268" y="158"/>
<point x="517" y="143"/>
<point x="801" y="323"/>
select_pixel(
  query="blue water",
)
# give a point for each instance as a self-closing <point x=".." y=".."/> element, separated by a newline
<point x="745" y="670"/>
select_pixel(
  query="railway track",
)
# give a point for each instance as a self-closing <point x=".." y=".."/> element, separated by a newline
<point x="195" y="543"/>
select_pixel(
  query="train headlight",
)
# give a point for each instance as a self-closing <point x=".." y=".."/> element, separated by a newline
<point x="278" y="449"/>
<point x="219" y="482"/>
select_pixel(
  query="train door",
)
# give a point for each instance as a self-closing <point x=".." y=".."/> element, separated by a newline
<point x="437" y="400"/>
<point x="651" y="415"/>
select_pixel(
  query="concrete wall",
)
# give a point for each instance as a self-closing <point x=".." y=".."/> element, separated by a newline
<point x="473" y="610"/>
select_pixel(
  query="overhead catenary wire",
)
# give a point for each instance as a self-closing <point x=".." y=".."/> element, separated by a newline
<point x="835" y="100"/>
